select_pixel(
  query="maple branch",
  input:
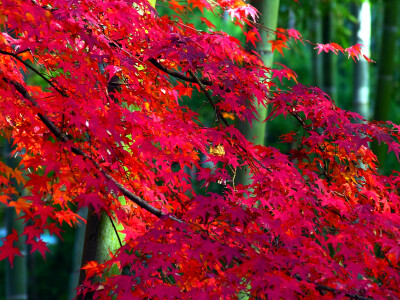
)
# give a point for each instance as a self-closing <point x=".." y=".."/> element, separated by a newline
<point x="322" y="287"/>
<point x="304" y="125"/>
<point x="64" y="138"/>
<point x="115" y="230"/>
<point x="151" y="60"/>
<point x="334" y="291"/>
<point x="46" y="7"/>
<point x="177" y="74"/>
<point x="15" y="55"/>
<point x="217" y="111"/>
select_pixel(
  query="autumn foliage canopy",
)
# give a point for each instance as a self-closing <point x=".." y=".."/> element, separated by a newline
<point x="109" y="129"/>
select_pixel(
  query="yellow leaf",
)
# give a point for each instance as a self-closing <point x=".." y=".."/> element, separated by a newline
<point x="218" y="151"/>
<point x="228" y="115"/>
<point x="152" y="3"/>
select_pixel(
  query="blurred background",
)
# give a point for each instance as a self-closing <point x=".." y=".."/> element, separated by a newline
<point x="370" y="89"/>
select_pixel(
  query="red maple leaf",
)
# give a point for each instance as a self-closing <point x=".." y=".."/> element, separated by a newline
<point x="252" y="36"/>
<point x="207" y="22"/>
<point x="278" y="45"/>
<point x="39" y="245"/>
<point x="354" y="51"/>
<point x="8" y="250"/>
<point x="293" y="33"/>
<point x="173" y="4"/>
<point x="326" y="48"/>
<point x="200" y="4"/>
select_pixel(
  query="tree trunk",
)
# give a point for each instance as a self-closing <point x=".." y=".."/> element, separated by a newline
<point x="329" y="60"/>
<point x="16" y="276"/>
<point x="100" y="240"/>
<point x="77" y="255"/>
<point x="316" y="36"/>
<point x="384" y="93"/>
<point x="362" y="36"/>
<point x="257" y="132"/>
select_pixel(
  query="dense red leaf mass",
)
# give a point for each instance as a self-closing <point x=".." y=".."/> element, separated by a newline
<point x="319" y="222"/>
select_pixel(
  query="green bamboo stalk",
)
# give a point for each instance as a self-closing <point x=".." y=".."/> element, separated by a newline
<point x="77" y="255"/>
<point x="362" y="35"/>
<point x="101" y="238"/>
<point x="329" y="60"/>
<point x="384" y="93"/>
<point x="317" y="73"/>
<point x="256" y="132"/>
<point x="16" y="277"/>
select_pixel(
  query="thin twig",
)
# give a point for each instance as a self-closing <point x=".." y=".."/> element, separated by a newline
<point x="115" y="230"/>
<point x="63" y="93"/>
<point x="202" y="87"/>
<point x="177" y="74"/>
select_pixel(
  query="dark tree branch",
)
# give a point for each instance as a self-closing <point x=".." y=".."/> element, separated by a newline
<point x="322" y="287"/>
<point x="177" y="74"/>
<point x="203" y="89"/>
<point x="304" y="125"/>
<point x="63" y="93"/>
<point x="46" y="7"/>
<point x="64" y="138"/>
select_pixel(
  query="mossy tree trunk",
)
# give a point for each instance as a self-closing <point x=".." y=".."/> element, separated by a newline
<point x="101" y="238"/>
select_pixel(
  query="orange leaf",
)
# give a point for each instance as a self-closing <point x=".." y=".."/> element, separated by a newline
<point x="17" y="174"/>
<point x="20" y="204"/>
<point x="252" y="36"/>
<point x="278" y="45"/>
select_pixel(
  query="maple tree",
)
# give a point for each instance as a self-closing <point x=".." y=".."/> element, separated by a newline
<point x="110" y="129"/>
